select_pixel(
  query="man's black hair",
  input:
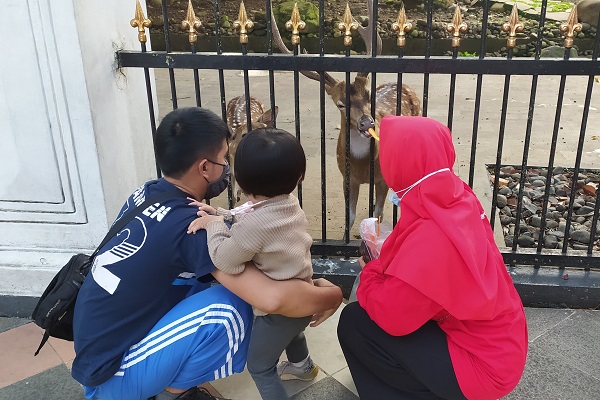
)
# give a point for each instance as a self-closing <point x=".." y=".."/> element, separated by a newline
<point x="269" y="162"/>
<point x="185" y="135"/>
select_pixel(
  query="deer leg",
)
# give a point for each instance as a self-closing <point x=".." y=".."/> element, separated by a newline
<point x="381" y="191"/>
<point x="354" y="189"/>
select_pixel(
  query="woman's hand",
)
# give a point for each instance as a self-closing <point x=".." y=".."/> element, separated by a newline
<point x="203" y="221"/>
<point x="361" y="262"/>
<point x="202" y="206"/>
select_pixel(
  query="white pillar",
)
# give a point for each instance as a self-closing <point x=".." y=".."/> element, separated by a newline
<point x="75" y="134"/>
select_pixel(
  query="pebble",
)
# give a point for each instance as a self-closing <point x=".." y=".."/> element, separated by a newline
<point x="501" y="201"/>
<point x="581" y="236"/>
<point x="550" y="242"/>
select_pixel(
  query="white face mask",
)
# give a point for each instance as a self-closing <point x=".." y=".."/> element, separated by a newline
<point x="394" y="198"/>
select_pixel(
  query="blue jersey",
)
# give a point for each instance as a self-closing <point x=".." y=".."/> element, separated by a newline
<point x="137" y="277"/>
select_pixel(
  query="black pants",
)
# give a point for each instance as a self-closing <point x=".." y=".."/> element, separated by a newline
<point x="385" y="367"/>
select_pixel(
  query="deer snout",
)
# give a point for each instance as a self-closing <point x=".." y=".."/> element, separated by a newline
<point x="366" y="123"/>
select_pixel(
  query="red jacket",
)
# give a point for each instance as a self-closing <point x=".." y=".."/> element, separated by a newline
<point x="441" y="263"/>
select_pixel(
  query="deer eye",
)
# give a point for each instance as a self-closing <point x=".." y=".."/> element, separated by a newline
<point x="341" y="105"/>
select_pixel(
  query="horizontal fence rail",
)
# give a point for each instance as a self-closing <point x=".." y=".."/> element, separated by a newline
<point x="381" y="64"/>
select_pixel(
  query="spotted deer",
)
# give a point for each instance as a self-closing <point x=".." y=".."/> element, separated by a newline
<point x="360" y="113"/>
<point x="238" y="127"/>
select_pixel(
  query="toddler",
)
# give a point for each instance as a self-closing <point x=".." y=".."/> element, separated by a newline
<point x="271" y="231"/>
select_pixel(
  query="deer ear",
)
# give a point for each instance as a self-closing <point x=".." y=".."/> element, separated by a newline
<point x="268" y="116"/>
<point x="361" y="80"/>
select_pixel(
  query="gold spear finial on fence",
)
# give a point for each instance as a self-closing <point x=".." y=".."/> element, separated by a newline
<point x="191" y="23"/>
<point x="456" y="27"/>
<point x="348" y="25"/>
<point x="570" y="27"/>
<point x="402" y="26"/>
<point x="141" y="22"/>
<point x="295" y="24"/>
<point x="243" y="24"/>
<point x="512" y="27"/>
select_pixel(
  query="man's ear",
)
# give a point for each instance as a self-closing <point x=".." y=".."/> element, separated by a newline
<point x="202" y="166"/>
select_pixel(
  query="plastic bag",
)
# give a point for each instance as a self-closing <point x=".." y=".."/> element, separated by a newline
<point x="373" y="234"/>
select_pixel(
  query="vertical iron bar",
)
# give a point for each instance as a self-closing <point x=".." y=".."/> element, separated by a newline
<point x="586" y="107"/>
<point x="168" y="49"/>
<point x="196" y="81"/>
<point x="374" y="50"/>
<point x="230" y="193"/>
<point x="297" y="114"/>
<point x="347" y="157"/>
<point x="528" y="131"/>
<point x="398" y="112"/>
<point x="427" y="55"/>
<point x="588" y="97"/>
<point x="322" y="118"/>
<point x="247" y="91"/>
<point x="151" y="109"/>
<point x="474" y="137"/>
<point x="500" y="142"/>
<point x="452" y="91"/>
<point x="549" y="175"/>
<point x="271" y="72"/>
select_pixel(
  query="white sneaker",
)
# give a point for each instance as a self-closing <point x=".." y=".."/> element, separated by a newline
<point x="287" y="371"/>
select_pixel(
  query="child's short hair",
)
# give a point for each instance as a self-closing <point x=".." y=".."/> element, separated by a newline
<point x="269" y="162"/>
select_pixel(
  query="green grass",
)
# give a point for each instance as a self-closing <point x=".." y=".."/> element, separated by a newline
<point x="553" y="5"/>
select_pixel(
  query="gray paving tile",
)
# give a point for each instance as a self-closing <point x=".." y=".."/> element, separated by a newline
<point x="576" y="342"/>
<point x="53" y="384"/>
<point x="327" y="388"/>
<point x="540" y="320"/>
<point x="548" y="377"/>
<point x="10" y="323"/>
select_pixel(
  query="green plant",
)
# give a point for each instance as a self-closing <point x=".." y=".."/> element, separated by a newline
<point x="467" y="54"/>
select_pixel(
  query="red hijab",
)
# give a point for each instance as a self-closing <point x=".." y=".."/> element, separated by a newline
<point x="443" y="244"/>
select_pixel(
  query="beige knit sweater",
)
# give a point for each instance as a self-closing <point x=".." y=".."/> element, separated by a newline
<point x="273" y="236"/>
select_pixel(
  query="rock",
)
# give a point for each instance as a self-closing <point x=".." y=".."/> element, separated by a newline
<point x="551" y="224"/>
<point x="504" y="191"/>
<point x="505" y="220"/>
<point x="499" y="7"/>
<point x="536" y="221"/>
<point x="585" y="210"/>
<point x="538" y="183"/>
<point x="562" y="225"/>
<point x="508" y="241"/>
<point x="580" y="236"/>
<point x="526" y="241"/>
<point x="556" y="52"/>
<point x="550" y="242"/>
<point x="501" y="201"/>
<point x="579" y="246"/>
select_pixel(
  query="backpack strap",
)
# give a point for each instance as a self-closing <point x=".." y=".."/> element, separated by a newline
<point x="43" y="342"/>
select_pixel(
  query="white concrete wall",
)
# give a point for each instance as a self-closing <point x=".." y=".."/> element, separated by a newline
<point x="75" y="135"/>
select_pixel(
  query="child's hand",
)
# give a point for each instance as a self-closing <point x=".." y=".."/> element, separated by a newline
<point x="202" y="206"/>
<point x="317" y="319"/>
<point x="202" y="222"/>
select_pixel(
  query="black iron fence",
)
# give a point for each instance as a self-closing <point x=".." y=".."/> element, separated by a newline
<point x="531" y="203"/>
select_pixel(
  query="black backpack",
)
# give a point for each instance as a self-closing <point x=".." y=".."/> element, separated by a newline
<point x="56" y="307"/>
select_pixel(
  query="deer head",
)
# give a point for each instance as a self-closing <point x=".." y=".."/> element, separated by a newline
<point x="237" y="123"/>
<point x="360" y="99"/>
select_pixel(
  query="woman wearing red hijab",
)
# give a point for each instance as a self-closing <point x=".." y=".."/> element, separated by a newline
<point x="437" y="315"/>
